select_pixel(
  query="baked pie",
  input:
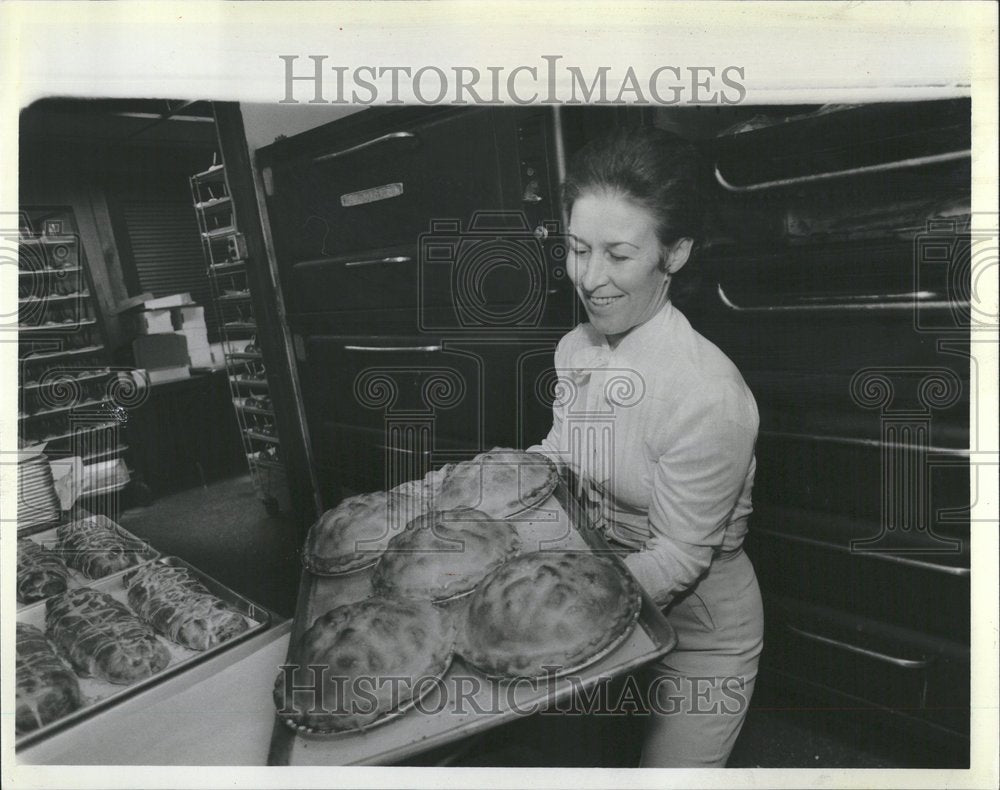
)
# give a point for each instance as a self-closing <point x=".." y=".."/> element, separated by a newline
<point x="423" y="491"/>
<point x="354" y="534"/>
<point x="96" y="546"/>
<point x="371" y="657"/>
<point x="177" y="605"/>
<point x="443" y="554"/>
<point x="40" y="572"/>
<point x="102" y="637"/>
<point x="46" y="689"/>
<point x="547" y="611"/>
<point x="500" y="483"/>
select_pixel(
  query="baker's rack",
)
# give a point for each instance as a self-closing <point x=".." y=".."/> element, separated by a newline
<point x="225" y="255"/>
<point x="72" y="400"/>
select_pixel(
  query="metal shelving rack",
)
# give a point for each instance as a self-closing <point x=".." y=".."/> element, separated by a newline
<point x="70" y="397"/>
<point x="225" y="255"/>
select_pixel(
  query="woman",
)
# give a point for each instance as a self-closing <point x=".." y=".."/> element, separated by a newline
<point x="660" y="428"/>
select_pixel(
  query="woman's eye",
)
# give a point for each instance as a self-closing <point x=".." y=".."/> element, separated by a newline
<point x="617" y="258"/>
<point x="580" y="250"/>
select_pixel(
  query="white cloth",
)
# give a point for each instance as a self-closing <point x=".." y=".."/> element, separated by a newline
<point x="661" y="431"/>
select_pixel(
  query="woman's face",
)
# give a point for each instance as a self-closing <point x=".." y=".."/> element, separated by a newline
<point x="614" y="259"/>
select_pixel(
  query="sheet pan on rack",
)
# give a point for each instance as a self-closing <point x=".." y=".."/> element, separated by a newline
<point x="99" y="694"/>
<point x="48" y="538"/>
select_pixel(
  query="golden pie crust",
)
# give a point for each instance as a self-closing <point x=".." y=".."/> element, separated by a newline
<point x="548" y="612"/>
<point x="45" y="688"/>
<point x="501" y="483"/>
<point x="102" y="637"/>
<point x="443" y="554"/>
<point x="178" y="606"/>
<point x="354" y="534"/>
<point x="41" y="572"/>
<point x="374" y="655"/>
<point x="96" y="547"/>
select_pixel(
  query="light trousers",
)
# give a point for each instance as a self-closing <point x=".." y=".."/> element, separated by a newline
<point x="701" y="690"/>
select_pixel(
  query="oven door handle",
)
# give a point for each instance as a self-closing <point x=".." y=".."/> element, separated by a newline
<point x="366" y="144"/>
<point x="393" y="349"/>
<point x="378" y="261"/>
<point x="905" y="663"/>
<point x="902" y="164"/>
<point x="900" y="301"/>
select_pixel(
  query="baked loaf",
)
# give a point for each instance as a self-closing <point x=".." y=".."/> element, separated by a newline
<point x="355" y="533"/>
<point x="547" y="610"/>
<point x="500" y="483"/>
<point x="102" y="637"/>
<point x="377" y="653"/>
<point x="95" y="547"/>
<point x="179" y="607"/>
<point x="40" y="572"/>
<point x="46" y="689"/>
<point x="444" y="553"/>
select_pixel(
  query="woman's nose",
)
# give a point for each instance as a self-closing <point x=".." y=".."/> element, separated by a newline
<point x="593" y="273"/>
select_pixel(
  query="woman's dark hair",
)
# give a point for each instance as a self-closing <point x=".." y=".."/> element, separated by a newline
<point x="652" y="167"/>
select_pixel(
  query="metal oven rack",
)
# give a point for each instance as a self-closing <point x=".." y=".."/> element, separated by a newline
<point x="226" y="257"/>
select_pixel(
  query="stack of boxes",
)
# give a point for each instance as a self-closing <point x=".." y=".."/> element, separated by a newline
<point x="171" y="336"/>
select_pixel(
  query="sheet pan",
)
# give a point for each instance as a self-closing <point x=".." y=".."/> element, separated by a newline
<point x="467" y="702"/>
<point x="101" y="694"/>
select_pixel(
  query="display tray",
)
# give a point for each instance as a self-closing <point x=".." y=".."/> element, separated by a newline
<point x="47" y="538"/>
<point x="100" y="694"/>
<point x="467" y="701"/>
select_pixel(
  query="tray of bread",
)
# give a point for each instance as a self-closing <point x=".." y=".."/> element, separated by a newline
<point x="89" y="647"/>
<point x="75" y="554"/>
<point x="450" y="605"/>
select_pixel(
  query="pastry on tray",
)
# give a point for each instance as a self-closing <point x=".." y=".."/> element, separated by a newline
<point x="548" y="611"/>
<point x="95" y="546"/>
<point x="102" y="637"/>
<point x="355" y="533"/>
<point x="40" y="572"/>
<point x="424" y="490"/>
<point x="500" y="483"/>
<point x="177" y="605"/>
<point x="444" y="554"/>
<point x="373" y="656"/>
<point x="46" y="689"/>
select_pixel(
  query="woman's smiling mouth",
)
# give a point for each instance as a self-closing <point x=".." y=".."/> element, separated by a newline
<point x="603" y="301"/>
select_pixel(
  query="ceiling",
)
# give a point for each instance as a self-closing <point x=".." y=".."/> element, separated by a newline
<point x="123" y="121"/>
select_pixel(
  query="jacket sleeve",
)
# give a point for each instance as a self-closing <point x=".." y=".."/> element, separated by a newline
<point x="697" y="483"/>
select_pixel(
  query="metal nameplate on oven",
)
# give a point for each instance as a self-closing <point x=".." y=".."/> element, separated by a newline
<point x="371" y="195"/>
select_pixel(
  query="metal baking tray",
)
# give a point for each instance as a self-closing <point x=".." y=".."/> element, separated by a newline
<point x="99" y="693"/>
<point x="558" y="523"/>
<point x="144" y="553"/>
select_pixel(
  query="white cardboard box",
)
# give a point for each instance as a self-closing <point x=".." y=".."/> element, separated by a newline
<point x="188" y="316"/>
<point x="174" y="300"/>
<point x="161" y="375"/>
<point x="152" y="322"/>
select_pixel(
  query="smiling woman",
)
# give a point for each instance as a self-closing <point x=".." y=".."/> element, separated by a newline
<point x="619" y="266"/>
<point x="668" y="471"/>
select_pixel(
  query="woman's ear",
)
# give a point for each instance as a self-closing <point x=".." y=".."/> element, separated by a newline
<point x="677" y="255"/>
